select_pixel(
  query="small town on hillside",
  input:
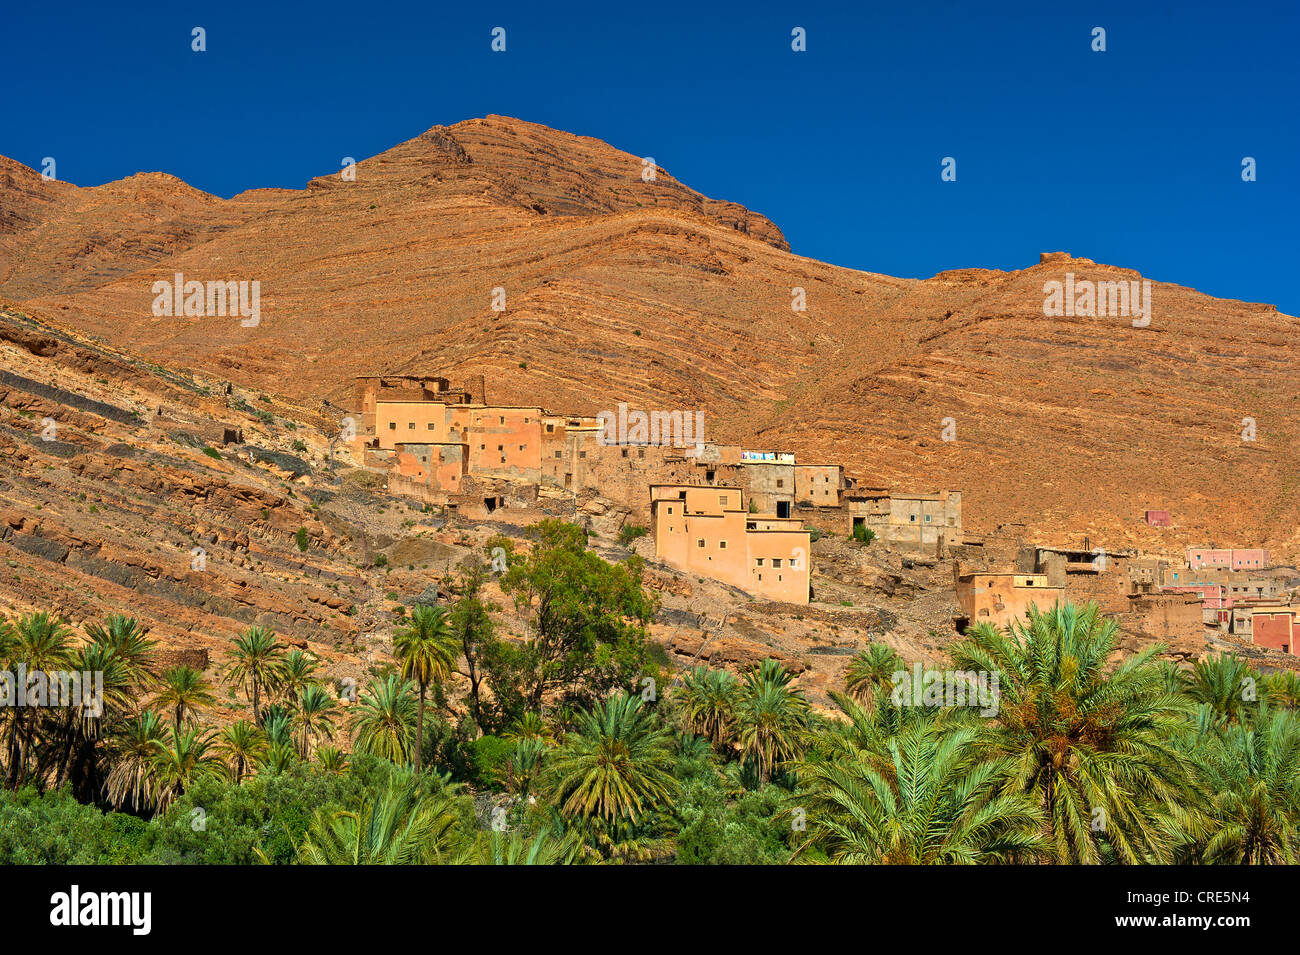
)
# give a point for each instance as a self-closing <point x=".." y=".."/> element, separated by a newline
<point x="746" y="517"/>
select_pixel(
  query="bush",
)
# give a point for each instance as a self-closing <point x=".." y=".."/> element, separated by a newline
<point x="630" y="532"/>
<point x="863" y="535"/>
<point x="301" y="538"/>
<point x="212" y="453"/>
<point x="487" y="761"/>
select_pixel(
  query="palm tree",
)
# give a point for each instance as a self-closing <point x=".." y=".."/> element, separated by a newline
<point x="616" y="765"/>
<point x="184" y="691"/>
<point x="314" y="717"/>
<point x="427" y="652"/>
<point x="708" y="702"/>
<point x="74" y="746"/>
<point x="181" y="761"/>
<point x="40" y="646"/>
<point x="297" y="672"/>
<point x="1283" y="689"/>
<point x="772" y="718"/>
<point x="924" y="794"/>
<point x="124" y="639"/>
<point x="256" y="664"/>
<point x="871" y="671"/>
<point x="517" y="848"/>
<point x="1224" y="682"/>
<point x="383" y="721"/>
<point x="1094" y="748"/>
<point x="1253" y="773"/>
<point x="332" y="760"/>
<point x="243" y="745"/>
<point x="133" y="748"/>
<point x="395" y="827"/>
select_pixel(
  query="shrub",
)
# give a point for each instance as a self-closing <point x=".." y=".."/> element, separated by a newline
<point x="630" y="532"/>
<point x="863" y="535"/>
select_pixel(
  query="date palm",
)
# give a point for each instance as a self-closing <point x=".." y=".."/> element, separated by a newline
<point x="708" y="704"/>
<point x="124" y="639"/>
<point x="1094" y="746"/>
<point x="1226" y="683"/>
<point x="924" y="793"/>
<point x="184" y="691"/>
<point x="39" y="645"/>
<point x="242" y="745"/>
<point x="331" y="760"/>
<point x="256" y="664"/>
<point x="1253" y="774"/>
<point x="314" y="718"/>
<point x="615" y="765"/>
<point x="297" y="672"/>
<point x="772" y="718"/>
<point x="397" y="826"/>
<point x="182" y="759"/>
<point x="133" y="747"/>
<point x="871" y="671"/>
<point x="1283" y="689"/>
<point x="383" y="722"/>
<point x="426" y="651"/>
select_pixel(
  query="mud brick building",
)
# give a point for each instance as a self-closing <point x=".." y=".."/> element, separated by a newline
<point x="1000" y="597"/>
<point x="927" y="523"/>
<point x="709" y="531"/>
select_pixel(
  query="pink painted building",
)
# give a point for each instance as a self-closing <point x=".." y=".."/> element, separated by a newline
<point x="1159" y="519"/>
<point x="1275" y="627"/>
<point x="1249" y="559"/>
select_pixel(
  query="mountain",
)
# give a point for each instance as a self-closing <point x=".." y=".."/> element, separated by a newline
<point x="621" y="289"/>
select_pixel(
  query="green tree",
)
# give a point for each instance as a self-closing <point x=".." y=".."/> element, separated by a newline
<point x="383" y="722"/>
<point x="772" y="717"/>
<point x="184" y="691"/>
<point x="586" y="617"/>
<point x="398" y="826"/>
<point x="243" y="745"/>
<point x="708" y="700"/>
<point x="1094" y="747"/>
<point x="927" y="794"/>
<point x="314" y="718"/>
<point x="41" y="645"/>
<point x="426" y="652"/>
<point x="183" y="759"/>
<point x="256" y="663"/>
<point x="871" y="671"/>
<point x="616" y="766"/>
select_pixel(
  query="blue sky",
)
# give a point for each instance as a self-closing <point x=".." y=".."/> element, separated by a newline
<point x="1131" y="157"/>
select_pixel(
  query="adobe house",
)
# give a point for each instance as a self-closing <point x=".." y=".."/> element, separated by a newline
<point x="924" y="523"/>
<point x="1001" y="597"/>
<point x="1173" y="619"/>
<point x="708" y="531"/>
<point x="1276" y="628"/>
<point x="370" y="389"/>
<point x="819" y="485"/>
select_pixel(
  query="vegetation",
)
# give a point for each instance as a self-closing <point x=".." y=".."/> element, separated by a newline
<point x="863" y="535"/>
<point x="567" y="745"/>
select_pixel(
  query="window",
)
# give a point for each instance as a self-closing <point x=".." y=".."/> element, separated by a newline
<point x="558" y="453"/>
<point x="722" y="499"/>
<point x="794" y="563"/>
<point x="625" y="452"/>
<point x="927" y="518"/>
<point x="582" y="454"/>
<point x="641" y="453"/>
<point x="780" y="482"/>
<point x="722" y="545"/>
<point x="501" y="419"/>
<point x="912" y="518"/>
<point x="410" y="426"/>
<point x="392" y="426"/>
<point x="700" y="542"/>
<point x="670" y="509"/>
<point x="501" y="447"/>
<point x="430" y="425"/>
<point x="776" y="561"/>
<point x="758" y="562"/>
<point x="523" y="447"/>
<point x="550" y="427"/>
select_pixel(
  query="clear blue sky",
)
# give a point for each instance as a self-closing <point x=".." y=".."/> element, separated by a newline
<point x="1131" y="157"/>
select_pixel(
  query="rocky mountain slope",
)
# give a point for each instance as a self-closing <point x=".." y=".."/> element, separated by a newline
<point x="621" y="289"/>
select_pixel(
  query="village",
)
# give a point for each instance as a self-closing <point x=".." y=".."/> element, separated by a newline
<point x="747" y="517"/>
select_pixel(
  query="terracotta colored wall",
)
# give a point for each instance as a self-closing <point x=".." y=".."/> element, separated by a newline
<point x="409" y="422"/>
<point x="818" y="484"/>
<point x="996" y="598"/>
<point x="1274" y="630"/>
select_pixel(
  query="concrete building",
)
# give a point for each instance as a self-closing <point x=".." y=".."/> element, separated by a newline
<point x="1159" y="519"/>
<point x="921" y="523"/>
<point x="1002" y="597"/>
<point x="1249" y="559"/>
<point x="708" y="531"/>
